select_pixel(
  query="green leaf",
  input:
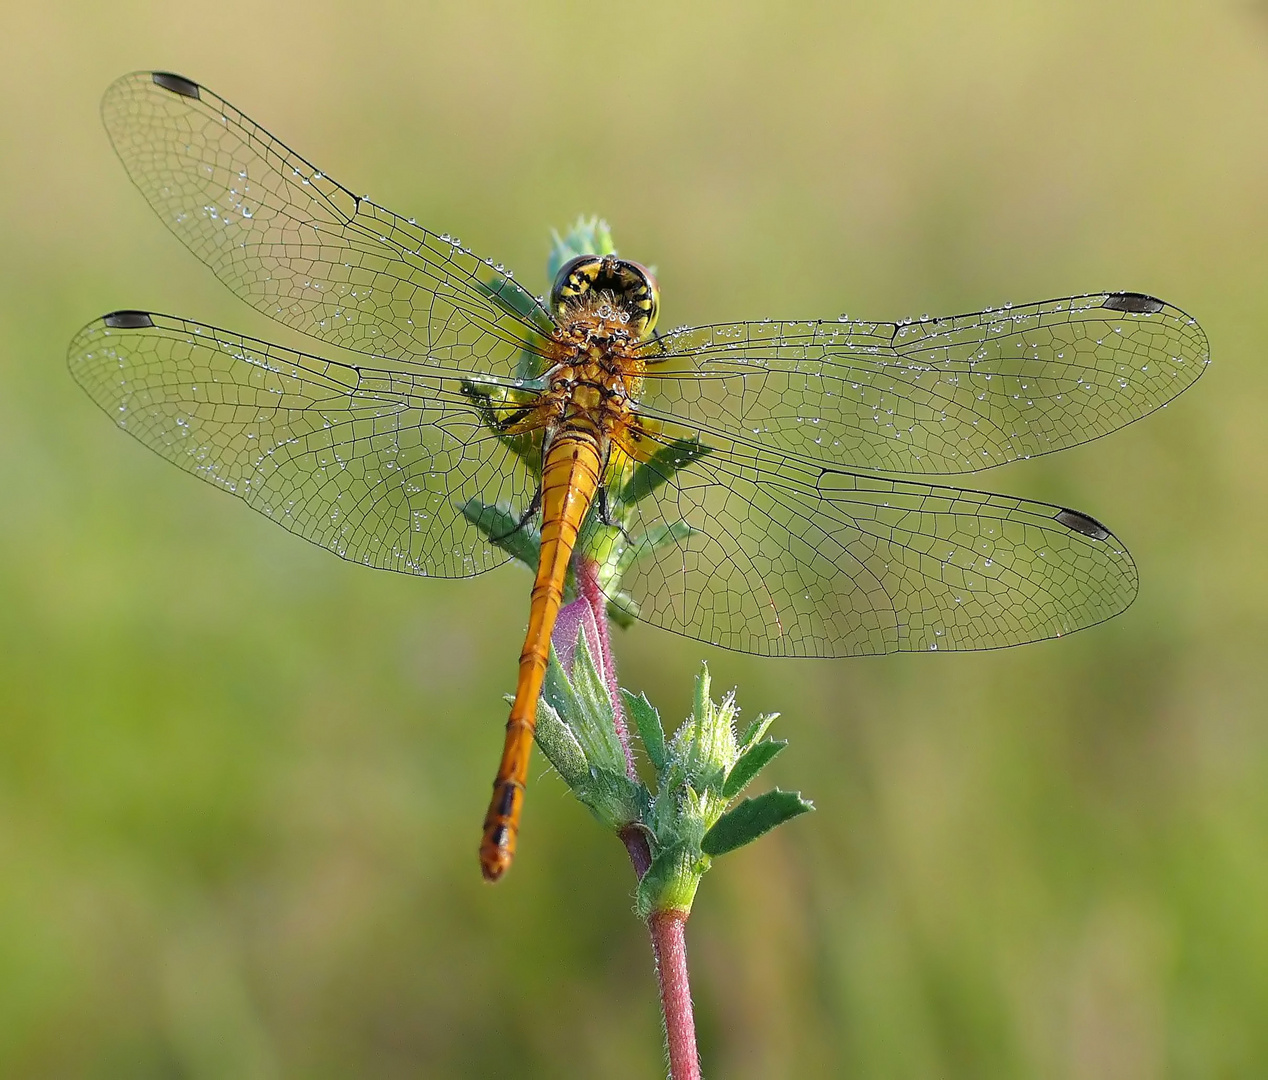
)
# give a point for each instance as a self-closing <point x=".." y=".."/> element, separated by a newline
<point x="559" y="692"/>
<point x="648" y="543"/>
<point x="593" y="723"/>
<point x="588" y="236"/>
<point x="560" y="745"/>
<point x="647" y="720"/>
<point x="498" y="407"/>
<point x="622" y="610"/>
<point x="757" y="729"/>
<point x="715" y="747"/>
<point x="751" y="818"/>
<point x="660" y="467"/>
<point x="509" y="296"/>
<point x="577" y="733"/>
<point x="503" y="529"/>
<point x="751" y="762"/>
<point x="702" y="705"/>
<point x="670" y="882"/>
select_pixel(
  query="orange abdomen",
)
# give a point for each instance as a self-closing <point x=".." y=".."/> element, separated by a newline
<point x="570" y="478"/>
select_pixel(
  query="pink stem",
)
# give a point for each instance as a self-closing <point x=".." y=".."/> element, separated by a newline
<point x="667" y="928"/>
<point x="669" y="946"/>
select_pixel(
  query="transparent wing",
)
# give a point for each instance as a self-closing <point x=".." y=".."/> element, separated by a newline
<point x="374" y="464"/>
<point x="788" y="558"/>
<point x="947" y="395"/>
<point x="303" y="249"/>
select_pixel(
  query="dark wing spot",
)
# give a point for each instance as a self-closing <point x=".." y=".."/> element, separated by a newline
<point x="1081" y="523"/>
<point x="1137" y="303"/>
<point x="127" y="320"/>
<point x="177" y="84"/>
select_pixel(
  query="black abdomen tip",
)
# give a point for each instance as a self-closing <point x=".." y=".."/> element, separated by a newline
<point x="127" y="320"/>
<point x="1135" y="303"/>
<point x="1081" y="523"/>
<point x="177" y="84"/>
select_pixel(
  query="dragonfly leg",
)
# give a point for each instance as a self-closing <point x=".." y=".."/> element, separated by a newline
<point x="603" y="508"/>
<point x="525" y="518"/>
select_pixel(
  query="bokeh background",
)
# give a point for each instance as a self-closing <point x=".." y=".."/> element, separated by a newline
<point x="241" y="781"/>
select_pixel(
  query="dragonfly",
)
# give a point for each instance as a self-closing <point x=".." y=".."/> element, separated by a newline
<point x="779" y="468"/>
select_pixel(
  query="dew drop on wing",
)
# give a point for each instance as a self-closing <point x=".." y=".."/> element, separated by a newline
<point x="1133" y="303"/>
<point x="177" y="84"/>
<point x="127" y="320"/>
<point x="1081" y="523"/>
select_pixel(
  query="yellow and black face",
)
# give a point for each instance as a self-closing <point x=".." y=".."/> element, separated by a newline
<point x="631" y="288"/>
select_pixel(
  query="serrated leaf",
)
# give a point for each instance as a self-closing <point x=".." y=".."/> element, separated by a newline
<point x="750" y="763"/>
<point x="751" y="818"/>
<point x="647" y="720"/>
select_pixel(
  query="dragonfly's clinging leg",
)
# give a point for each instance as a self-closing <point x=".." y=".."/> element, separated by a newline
<point x="604" y="510"/>
<point x="525" y="518"/>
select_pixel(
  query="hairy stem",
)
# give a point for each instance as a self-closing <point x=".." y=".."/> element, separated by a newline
<point x="669" y="946"/>
<point x="667" y="928"/>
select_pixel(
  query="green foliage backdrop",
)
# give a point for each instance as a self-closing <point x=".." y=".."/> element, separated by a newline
<point x="241" y="781"/>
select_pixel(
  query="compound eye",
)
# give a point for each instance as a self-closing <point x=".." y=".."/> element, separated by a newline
<point x="574" y="280"/>
<point x="647" y="301"/>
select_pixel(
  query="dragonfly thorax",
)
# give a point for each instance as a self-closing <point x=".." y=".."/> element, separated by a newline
<point x="605" y="296"/>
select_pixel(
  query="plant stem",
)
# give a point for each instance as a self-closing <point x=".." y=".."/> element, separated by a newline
<point x="667" y="928"/>
<point x="669" y="946"/>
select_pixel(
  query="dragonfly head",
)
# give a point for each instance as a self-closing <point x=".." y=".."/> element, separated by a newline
<point x="629" y="287"/>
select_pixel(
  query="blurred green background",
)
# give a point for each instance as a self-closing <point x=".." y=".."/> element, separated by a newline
<point x="241" y="781"/>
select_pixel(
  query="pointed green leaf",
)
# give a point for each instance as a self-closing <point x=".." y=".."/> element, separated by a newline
<point x="715" y="746"/>
<point x="702" y="706"/>
<point x="613" y="798"/>
<point x="588" y="236"/>
<point x="499" y="406"/>
<point x="559" y="692"/>
<point x="757" y="729"/>
<point x="751" y="762"/>
<point x="650" y="542"/>
<point x="594" y="724"/>
<point x="751" y="818"/>
<point x="503" y="529"/>
<point x="647" y="720"/>
<point x="622" y="610"/>
<point x="660" y="467"/>
<point x="600" y="542"/>
<point x="503" y="291"/>
<point x="560" y="745"/>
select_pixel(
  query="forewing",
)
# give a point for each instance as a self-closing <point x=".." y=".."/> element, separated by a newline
<point x="948" y="395"/>
<point x="372" y="463"/>
<point x="794" y="559"/>
<point x="302" y="248"/>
